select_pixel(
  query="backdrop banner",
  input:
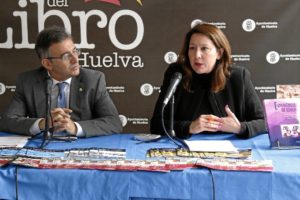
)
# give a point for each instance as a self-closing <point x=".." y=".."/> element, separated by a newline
<point x="134" y="41"/>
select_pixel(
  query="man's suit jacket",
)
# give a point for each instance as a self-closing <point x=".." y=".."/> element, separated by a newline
<point x="92" y="106"/>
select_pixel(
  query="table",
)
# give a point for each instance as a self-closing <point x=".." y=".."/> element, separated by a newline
<point x="193" y="184"/>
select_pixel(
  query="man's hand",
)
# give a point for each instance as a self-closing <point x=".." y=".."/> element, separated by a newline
<point x="62" y="121"/>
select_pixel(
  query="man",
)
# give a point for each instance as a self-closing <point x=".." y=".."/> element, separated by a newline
<point x="87" y="108"/>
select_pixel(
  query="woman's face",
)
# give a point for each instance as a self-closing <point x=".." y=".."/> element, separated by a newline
<point x="203" y="54"/>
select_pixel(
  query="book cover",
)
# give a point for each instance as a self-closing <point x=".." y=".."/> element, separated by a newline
<point x="283" y="122"/>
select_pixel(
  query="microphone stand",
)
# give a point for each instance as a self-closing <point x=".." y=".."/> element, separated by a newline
<point x="171" y="133"/>
<point x="171" y="130"/>
<point x="46" y="133"/>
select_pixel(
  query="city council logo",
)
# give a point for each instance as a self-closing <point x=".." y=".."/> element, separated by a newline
<point x="123" y="120"/>
<point x="249" y="25"/>
<point x="196" y="22"/>
<point x="2" y="88"/>
<point x="273" y="57"/>
<point x="146" y="89"/>
<point x="170" y="57"/>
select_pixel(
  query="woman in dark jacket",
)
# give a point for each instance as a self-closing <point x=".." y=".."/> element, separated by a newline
<point x="214" y="95"/>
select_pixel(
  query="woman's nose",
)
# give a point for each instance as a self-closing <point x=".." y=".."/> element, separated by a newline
<point x="198" y="53"/>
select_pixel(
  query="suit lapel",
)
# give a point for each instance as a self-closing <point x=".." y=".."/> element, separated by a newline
<point x="76" y="95"/>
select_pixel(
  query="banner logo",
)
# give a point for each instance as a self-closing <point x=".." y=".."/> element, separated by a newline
<point x="2" y="88"/>
<point x="241" y="58"/>
<point x="265" y="89"/>
<point x="250" y="25"/>
<point x="133" y="121"/>
<point x="115" y="89"/>
<point x="220" y="25"/>
<point x="170" y="57"/>
<point x="103" y="22"/>
<point x="139" y="2"/>
<point x="273" y="57"/>
<point x="115" y="2"/>
<point x="146" y="89"/>
<point x="123" y="120"/>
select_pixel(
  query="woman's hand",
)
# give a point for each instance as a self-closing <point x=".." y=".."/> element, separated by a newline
<point x="230" y="123"/>
<point x="210" y="123"/>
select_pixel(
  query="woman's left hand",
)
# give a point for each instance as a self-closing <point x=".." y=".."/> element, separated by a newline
<point x="230" y="123"/>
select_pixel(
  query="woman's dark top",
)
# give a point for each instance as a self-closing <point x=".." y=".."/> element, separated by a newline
<point x="239" y="94"/>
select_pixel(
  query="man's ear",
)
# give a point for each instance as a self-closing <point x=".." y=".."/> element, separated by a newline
<point x="46" y="64"/>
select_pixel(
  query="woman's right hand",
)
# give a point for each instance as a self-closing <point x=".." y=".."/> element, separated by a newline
<point x="209" y="123"/>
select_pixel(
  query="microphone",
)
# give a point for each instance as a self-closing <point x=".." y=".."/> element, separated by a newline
<point x="175" y="80"/>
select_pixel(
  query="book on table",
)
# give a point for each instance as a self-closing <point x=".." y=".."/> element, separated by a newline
<point x="282" y="118"/>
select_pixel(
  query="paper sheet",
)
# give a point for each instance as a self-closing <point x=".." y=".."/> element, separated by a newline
<point x="211" y="145"/>
<point x="13" y="141"/>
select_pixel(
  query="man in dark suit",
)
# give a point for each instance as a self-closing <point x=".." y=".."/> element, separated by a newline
<point x="88" y="110"/>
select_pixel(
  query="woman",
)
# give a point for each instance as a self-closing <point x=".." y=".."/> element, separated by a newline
<point x="214" y="95"/>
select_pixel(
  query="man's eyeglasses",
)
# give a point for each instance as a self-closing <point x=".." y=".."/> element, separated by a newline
<point x="67" y="56"/>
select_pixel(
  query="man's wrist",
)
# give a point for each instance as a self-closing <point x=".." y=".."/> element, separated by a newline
<point x="42" y="124"/>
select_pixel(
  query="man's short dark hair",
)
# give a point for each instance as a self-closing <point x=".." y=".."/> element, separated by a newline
<point x="49" y="36"/>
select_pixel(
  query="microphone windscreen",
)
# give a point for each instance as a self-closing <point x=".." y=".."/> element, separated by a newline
<point x="177" y="75"/>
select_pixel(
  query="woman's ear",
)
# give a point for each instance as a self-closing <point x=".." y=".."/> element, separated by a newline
<point x="220" y="53"/>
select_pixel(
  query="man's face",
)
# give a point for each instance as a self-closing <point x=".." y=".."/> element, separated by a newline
<point x="63" y="60"/>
